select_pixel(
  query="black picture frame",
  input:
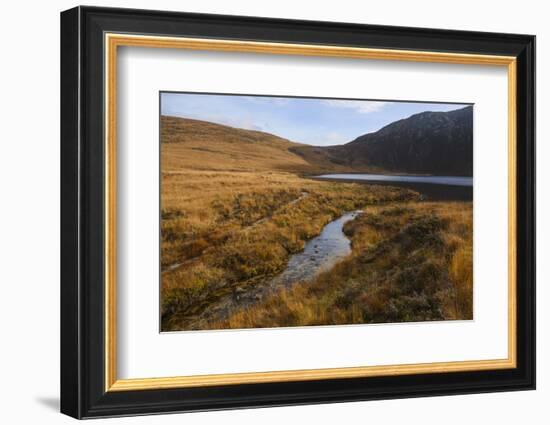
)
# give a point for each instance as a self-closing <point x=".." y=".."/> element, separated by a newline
<point x="83" y="392"/>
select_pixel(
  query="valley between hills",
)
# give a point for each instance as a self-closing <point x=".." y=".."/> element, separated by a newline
<point x="238" y="206"/>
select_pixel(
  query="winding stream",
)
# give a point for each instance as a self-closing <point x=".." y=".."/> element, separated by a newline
<point x="322" y="252"/>
<point x="319" y="254"/>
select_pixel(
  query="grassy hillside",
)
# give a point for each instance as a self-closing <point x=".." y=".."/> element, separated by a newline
<point x="201" y="145"/>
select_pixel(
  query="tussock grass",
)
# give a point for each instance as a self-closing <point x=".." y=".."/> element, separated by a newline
<point x="244" y="229"/>
<point x="409" y="263"/>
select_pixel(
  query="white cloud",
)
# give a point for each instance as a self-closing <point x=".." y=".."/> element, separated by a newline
<point x="361" y="106"/>
<point x="328" y="139"/>
<point x="277" y="101"/>
<point x="231" y="121"/>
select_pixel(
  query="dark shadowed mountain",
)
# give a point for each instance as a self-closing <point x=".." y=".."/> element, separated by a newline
<point x="439" y="143"/>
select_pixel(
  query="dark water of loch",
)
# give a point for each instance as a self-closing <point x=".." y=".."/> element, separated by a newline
<point x="443" y="188"/>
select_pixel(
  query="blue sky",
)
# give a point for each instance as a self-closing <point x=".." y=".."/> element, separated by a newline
<point x="319" y="122"/>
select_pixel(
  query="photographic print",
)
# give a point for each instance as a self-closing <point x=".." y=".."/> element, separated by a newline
<point x="310" y="212"/>
<point x="289" y="211"/>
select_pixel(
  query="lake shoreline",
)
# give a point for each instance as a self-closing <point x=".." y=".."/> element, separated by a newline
<point x="430" y="191"/>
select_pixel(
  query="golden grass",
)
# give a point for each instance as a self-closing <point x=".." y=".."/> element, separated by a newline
<point x="239" y="229"/>
<point x="198" y="145"/>
<point x="410" y="262"/>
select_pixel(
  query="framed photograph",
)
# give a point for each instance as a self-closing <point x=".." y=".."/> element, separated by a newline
<point x="261" y="212"/>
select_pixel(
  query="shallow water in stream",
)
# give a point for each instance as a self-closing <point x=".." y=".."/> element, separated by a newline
<point x="319" y="254"/>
